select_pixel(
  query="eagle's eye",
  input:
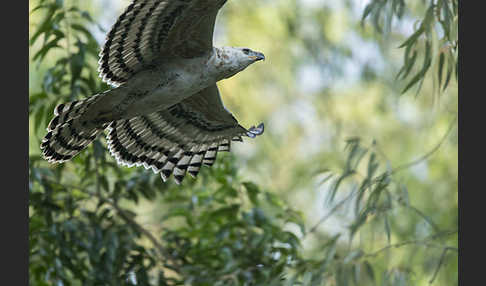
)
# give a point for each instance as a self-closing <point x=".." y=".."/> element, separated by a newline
<point x="246" y="51"/>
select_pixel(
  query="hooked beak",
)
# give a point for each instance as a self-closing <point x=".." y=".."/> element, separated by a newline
<point x="257" y="56"/>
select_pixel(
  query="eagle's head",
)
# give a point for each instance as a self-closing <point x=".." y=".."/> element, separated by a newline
<point x="232" y="60"/>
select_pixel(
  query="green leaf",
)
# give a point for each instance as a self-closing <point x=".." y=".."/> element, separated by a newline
<point x="404" y="197"/>
<point x="325" y="179"/>
<point x="39" y="115"/>
<point x="441" y="66"/>
<point x="46" y="48"/>
<point x="421" y="74"/>
<point x="372" y="165"/>
<point x="413" y="38"/>
<point x="409" y="64"/>
<point x="252" y="191"/>
<point x="358" y="223"/>
<point x="104" y="183"/>
<point x="387" y="228"/>
<point x="398" y="7"/>
<point x="84" y="31"/>
<point x="369" y="270"/>
<point x="429" y="17"/>
<point x="337" y="183"/>
<point x="450" y="66"/>
<point x="367" y="11"/>
<point x="44" y="26"/>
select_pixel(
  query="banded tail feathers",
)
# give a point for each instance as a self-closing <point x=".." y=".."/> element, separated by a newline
<point x="66" y="135"/>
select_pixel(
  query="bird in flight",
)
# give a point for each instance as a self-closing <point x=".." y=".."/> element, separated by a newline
<point x="164" y="111"/>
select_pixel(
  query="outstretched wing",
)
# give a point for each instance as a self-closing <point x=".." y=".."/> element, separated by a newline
<point x="180" y="138"/>
<point x="149" y="30"/>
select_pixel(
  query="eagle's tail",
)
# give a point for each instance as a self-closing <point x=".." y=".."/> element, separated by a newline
<point x="66" y="135"/>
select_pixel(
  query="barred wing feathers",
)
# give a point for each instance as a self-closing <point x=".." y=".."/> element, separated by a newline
<point x="151" y="30"/>
<point x="179" y="139"/>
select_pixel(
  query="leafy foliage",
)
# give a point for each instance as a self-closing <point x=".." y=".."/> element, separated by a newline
<point x="220" y="229"/>
<point x="435" y="38"/>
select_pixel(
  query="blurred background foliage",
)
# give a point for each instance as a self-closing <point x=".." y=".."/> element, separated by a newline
<point x="353" y="183"/>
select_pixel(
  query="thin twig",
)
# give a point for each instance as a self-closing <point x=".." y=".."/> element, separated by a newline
<point x="422" y="215"/>
<point x="441" y="261"/>
<point x="331" y="212"/>
<point x="443" y="233"/>
<point x="428" y="154"/>
<point x="416" y="242"/>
